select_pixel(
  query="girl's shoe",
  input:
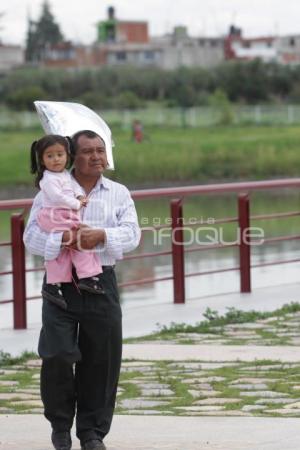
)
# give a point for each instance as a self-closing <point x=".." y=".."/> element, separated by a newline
<point x="91" y="284"/>
<point x="53" y="293"/>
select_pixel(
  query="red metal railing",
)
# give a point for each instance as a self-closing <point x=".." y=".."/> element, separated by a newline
<point x="177" y="249"/>
<point x="19" y="269"/>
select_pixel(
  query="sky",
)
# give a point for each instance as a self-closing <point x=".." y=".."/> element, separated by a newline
<point x="202" y="17"/>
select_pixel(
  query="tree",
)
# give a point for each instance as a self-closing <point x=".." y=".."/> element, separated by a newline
<point x="42" y="34"/>
<point x="22" y="99"/>
<point x="222" y="106"/>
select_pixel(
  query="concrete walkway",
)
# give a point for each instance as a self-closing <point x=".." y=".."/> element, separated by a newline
<point x="228" y="353"/>
<point x="129" y="432"/>
<point x="142" y="320"/>
<point x="164" y="433"/>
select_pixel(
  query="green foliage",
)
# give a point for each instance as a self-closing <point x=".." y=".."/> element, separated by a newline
<point x="128" y="100"/>
<point x="7" y="360"/>
<point x="210" y="314"/>
<point x="281" y="379"/>
<point x="95" y="100"/>
<point x="246" y="82"/>
<point x="234" y="315"/>
<point x="295" y="93"/>
<point x="221" y="104"/>
<point x="22" y="99"/>
<point x="191" y="155"/>
<point x="41" y="34"/>
<point x="184" y="95"/>
<point x="214" y="319"/>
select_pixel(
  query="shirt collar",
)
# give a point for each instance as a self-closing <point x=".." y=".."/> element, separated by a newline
<point x="102" y="182"/>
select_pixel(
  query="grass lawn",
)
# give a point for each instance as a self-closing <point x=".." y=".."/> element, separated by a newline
<point x="274" y="328"/>
<point x="178" y="154"/>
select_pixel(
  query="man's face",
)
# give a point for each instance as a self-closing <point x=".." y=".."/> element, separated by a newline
<point x="90" y="159"/>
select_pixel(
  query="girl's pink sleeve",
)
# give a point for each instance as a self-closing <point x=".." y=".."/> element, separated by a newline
<point x="52" y="188"/>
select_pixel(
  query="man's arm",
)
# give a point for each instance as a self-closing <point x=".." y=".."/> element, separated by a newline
<point x="39" y="242"/>
<point x="126" y="236"/>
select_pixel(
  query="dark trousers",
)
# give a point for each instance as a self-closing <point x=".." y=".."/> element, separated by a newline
<point x="81" y="351"/>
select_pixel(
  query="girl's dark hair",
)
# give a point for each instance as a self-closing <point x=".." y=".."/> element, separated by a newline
<point x="39" y="147"/>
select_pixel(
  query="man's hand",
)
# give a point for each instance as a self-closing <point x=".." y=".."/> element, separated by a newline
<point x="69" y="238"/>
<point x="83" y="200"/>
<point x="88" y="238"/>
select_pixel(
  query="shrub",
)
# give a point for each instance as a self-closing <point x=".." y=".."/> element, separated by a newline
<point x="95" y="100"/>
<point x="22" y="99"/>
<point x="128" y="100"/>
<point x="220" y="102"/>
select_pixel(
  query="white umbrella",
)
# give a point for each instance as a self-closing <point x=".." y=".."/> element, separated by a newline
<point x="66" y="119"/>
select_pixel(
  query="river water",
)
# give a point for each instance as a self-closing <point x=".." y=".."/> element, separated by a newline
<point x="202" y="209"/>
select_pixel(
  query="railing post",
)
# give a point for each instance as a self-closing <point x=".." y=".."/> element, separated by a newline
<point x="18" y="269"/>
<point x="244" y="244"/>
<point x="178" y="251"/>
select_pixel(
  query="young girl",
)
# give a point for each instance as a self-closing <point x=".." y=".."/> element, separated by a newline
<point x="61" y="202"/>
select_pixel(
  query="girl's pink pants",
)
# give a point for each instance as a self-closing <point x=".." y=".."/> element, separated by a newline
<point x="59" y="270"/>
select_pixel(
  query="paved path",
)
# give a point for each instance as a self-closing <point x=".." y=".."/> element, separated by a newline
<point x="263" y="299"/>
<point x="137" y="432"/>
<point x="157" y="352"/>
<point x="164" y="433"/>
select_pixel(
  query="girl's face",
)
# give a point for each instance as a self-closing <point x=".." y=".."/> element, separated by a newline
<point x="55" y="158"/>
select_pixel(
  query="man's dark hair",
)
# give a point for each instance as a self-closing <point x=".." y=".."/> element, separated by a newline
<point x="87" y="133"/>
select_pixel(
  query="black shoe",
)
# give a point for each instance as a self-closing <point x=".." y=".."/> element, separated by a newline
<point x="53" y="293"/>
<point x="61" y="440"/>
<point x="94" y="444"/>
<point x="91" y="284"/>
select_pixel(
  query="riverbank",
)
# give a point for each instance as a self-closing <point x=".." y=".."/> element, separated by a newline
<point x="26" y="191"/>
<point x="177" y="155"/>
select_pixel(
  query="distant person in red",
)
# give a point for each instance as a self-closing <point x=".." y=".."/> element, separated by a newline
<point x="137" y="131"/>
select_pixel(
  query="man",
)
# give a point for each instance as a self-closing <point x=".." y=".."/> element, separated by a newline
<point x="88" y="333"/>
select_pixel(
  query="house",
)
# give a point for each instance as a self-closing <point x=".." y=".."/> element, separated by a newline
<point x="179" y="49"/>
<point x="11" y="56"/>
<point x="280" y="49"/>
<point x="289" y="49"/>
<point x="128" y="43"/>
<point x="237" y="47"/>
<point x="68" y="55"/>
<point x="125" y="42"/>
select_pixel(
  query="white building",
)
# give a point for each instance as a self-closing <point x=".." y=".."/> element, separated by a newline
<point x="261" y="48"/>
<point x="167" y="52"/>
<point x="289" y="49"/>
<point x="180" y="49"/>
<point x="11" y="56"/>
<point x="281" y="49"/>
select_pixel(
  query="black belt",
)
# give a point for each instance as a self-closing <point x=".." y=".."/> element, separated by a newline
<point x="107" y="268"/>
